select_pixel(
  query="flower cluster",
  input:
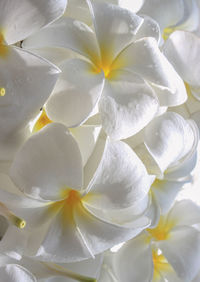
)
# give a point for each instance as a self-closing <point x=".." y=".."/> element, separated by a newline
<point x="99" y="134"/>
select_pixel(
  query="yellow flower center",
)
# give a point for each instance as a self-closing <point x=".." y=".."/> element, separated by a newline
<point x="41" y="122"/>
<point x="67" y="205"/>
<point x="160" y="264"/>
<point x="166" y="32"/>
<point x="2" y="91"/>
<point x="4" y="49"/>
<point x="161" y="232"/>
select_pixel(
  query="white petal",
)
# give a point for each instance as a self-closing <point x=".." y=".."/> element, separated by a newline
<point x="152" y="167"/>
<point x="28" y="81"/>
<point x="95" y="159"/>
<point x="13" y="243"/>
<point x="55" y="55"/>
<point x="10" y="144"/>
<point x="183" y="51"/>
<point x="61" y="272"/>
<point x="34" y="212"/>
<point x="120" y="180"/>
<point x="126" y="107"/>
<point x="143" y="57"/>
<point x="86" y="137"/>
<point x="185" y="212"/>
<point x="153" y="212"/>
<point x="14" y="272"/>
<point x="133" y="216"/>
<point x="67" y="33"/>
<point x="76" y="93"/>
<point x="63" y="243"/>
<point x="190" y="19"/>
<point x="133" y="262"/>
<point x="99" y="235"/>
<point x="165" y="192"/>
<point x="168" y="129"/>
<point x="21" y="18"/>
<point x="149" y="28"/>
<point x="116" y="24"/>
<point x="166" y="13"/>
<point x="55" y="163"/>
<point x="78" y="9"/>
<point x="182" y="250"/>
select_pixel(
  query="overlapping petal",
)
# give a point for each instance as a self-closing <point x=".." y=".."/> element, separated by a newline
<point x="144" y="58"/>
<point x="119" y="182"/>
<point x="55" y="165"/>
<point x="182" y="50"/>
<point x="182" y="250"/>
<point x="68" y="33"/>
<point x="21" y="18"/>
<point x="126" y="105"/>
<point x="14" y="272"/>
<point x="134" y="261"/>
<point x="76" y="93"/>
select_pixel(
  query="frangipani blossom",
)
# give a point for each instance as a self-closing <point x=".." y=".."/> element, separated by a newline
<point x="168" y="148"/>
<point x="182" y="49"/>
<point x="120" y="69"/>
<point x="26" y="80"/>
<point x="78" y="221"/>
<point x="173" y="15"/>
<point x="171" y="251"/>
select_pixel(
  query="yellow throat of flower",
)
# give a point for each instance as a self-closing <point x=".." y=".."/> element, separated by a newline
<point x="4" y="49"/>
<point x="72" y="199"/>
<point x="160" y="264"/>
<point x="42" y="121"/>
<point x="166" y="32"/>
<point x="162" y="230"/>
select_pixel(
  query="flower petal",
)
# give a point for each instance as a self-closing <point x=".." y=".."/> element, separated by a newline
<point x="95" y="159"/>
<point x="117" y="24"/>
<point x="165" y="193"/>
<point x="182" y="250"/>
<point x="149" y="28"/>
<point x="183" y="51"/>
<point x="120" y="180"/>
<point x="67" y="33"/>
<point x="63" y="243"/>
<point x="166" y="13"/>
<point x="100" y="235"/>
<point x="86" y="137"/>
<point x="185" y="212"/>
<point x="126" y="107"/>
<point x="168" y="129"/>
<point x="144" y="58"/>
<point x="28" y="81"/>
<point x="55" y="163"/>
<point x="133" y="261"/>
<point x="76" y="93"/>
<point x="21" y="18"/>
<point x="14" y="272"/>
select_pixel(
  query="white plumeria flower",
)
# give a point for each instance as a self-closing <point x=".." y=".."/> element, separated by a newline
<point x="168" y="148"/>
<point x="78" y="220"/>
<point x="119" y="69"/>
<point x="26" y="80"/>
<point x="85" y="271"/>
<point x="182" y="49"/>
<point x="170" y="252"/>
<point x="173" y="14"/>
